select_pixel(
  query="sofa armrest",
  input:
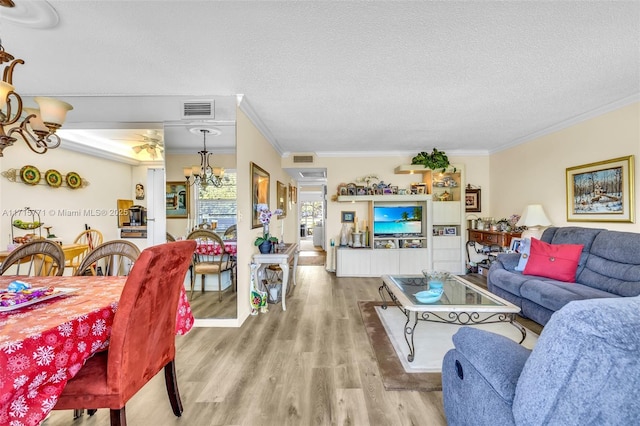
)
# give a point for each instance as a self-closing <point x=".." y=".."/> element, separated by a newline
<point x="497" y="358"/>
<point x="507" y="261"/>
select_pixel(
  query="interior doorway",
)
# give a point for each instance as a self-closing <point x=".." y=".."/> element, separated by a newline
<point x="311" y="208"/>
<point x="312" y="217"/>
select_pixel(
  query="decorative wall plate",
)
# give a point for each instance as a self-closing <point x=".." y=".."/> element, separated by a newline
<point x="53" y="178"/>
<point x="74" y="181"/>
<point x="30" y="175"/>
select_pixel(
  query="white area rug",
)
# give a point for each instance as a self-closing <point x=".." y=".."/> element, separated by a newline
<point x="433" y="340"/>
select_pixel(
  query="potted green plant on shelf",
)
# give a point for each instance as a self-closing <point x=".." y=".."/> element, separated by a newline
<point x="435" y="161"/>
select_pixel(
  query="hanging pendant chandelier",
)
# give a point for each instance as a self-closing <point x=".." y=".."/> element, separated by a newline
<point x="38" y="128"/>
<point x="204" y="174"/>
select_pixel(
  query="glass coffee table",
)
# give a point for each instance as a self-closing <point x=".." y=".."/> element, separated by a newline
<point x="461" y="303"/>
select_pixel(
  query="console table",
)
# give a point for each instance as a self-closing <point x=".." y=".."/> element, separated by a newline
<point x="492" y="238"/>
<point x="282" y="258"/>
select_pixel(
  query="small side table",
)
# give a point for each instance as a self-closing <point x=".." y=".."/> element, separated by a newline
<point x="281" y="258"/>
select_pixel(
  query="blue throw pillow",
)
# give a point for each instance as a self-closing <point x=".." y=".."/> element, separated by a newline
<point x="525" y="247"/>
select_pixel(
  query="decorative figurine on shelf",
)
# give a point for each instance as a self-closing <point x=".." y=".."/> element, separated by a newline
<point x="445" y="196"/>
<point x="345" y="234"/>
<point x="367" y="179"/>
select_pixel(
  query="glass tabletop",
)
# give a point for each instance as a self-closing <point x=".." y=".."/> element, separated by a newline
<point x="456" y="292"/>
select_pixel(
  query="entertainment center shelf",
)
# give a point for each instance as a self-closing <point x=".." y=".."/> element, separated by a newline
<point x="438" y="243"/>
<point x="406" y="251"/>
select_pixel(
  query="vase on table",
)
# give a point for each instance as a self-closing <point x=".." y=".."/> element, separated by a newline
<point x="265" y="247"/>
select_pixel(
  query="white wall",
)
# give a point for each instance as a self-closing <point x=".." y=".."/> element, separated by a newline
<point x="535" y="172"/>
<point x="252" y="146"/>
<point x="65" y="209"/>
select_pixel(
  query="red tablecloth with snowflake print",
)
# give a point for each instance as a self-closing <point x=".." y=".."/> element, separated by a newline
<point x="210" y="248"/>
<point x="45" y="344"/>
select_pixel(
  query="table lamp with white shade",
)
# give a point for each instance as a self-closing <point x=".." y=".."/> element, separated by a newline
<point x="535" y="219"/>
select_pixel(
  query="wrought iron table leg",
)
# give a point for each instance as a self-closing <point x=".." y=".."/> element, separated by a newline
<point x="381" y="290"/>
<point x="519" y="326"/>
<point x="408" y="333"/>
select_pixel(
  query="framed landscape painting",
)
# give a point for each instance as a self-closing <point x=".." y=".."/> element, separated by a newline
<point x="601" y="192"/>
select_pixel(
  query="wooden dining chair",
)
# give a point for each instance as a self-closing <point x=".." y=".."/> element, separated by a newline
<point x="209" y="264"/>
<point x="142" y="340"/>
<point x="35" y="258"/>
<point x="170" y="238"/>
<point x="87" y="240"/>
<point x="114" y="257"/>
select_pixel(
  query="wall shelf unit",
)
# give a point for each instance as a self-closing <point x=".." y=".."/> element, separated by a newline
<point x="406" y="253"/>
<point x="440" y="245"/>
<point x="449" y="224"/>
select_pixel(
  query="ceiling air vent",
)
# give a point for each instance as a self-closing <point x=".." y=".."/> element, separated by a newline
<point x="303" y="158"/>
<point x="198" y="109"/>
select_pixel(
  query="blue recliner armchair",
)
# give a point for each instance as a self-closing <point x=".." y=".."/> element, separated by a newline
<point x="584" y="370"/>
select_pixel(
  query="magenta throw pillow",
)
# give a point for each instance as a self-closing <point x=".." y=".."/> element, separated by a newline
<point x="557" y="261"/>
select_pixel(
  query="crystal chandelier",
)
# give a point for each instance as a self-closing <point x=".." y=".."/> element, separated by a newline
<point x="204" y="174"/>
<point x="39" y="125"/>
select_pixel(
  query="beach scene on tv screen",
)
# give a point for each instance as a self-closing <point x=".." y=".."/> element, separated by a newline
<point x="397" y="220"/>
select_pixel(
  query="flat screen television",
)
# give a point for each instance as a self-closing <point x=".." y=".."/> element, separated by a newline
<point x="397" y="221"/>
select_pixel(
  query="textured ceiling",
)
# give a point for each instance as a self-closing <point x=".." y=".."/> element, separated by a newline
<point x="339" y="77"/>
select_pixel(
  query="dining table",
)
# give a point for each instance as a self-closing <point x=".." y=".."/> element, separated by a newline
<point x="212" y="248"/>
<point x="70" y="251"/>
<point x="44" y="344"/>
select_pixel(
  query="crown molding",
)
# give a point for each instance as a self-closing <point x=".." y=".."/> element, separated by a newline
<point x="571" y="122"/>
<point x="246" y="108"/>
<point x="96" y="152"/>
<point x="452" y="153"/>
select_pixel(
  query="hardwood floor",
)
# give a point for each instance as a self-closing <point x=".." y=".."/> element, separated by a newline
<point x="208" y="305"/>
<point x="310" y="365"/>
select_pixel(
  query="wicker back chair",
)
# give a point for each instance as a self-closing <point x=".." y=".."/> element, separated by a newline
<point x="111" y="258"/>
<point x="35" y="258"/>
<point x="210" y="258"/>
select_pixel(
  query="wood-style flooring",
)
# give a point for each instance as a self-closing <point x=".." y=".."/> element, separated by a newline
<point x="310" y="365"/>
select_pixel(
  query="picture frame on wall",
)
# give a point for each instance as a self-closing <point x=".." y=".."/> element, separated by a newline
<point x="281" y="191"/>
<point x="348" y="217"/>
<point x="450" y="230"/>
<point x="472" y="200"/>
<point x="177" y="200"/>
<point x="260" y="181"/>
<point x="601" y="191"/>
<point x="293" y="194"/>
<point x="419" y="188"/>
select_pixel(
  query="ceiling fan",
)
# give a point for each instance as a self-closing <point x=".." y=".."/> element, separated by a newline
<point x="151" y="143"/>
